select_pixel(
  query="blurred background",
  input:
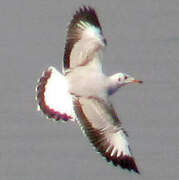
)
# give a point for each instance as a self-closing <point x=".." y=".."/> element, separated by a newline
<point x="143" y="40"/>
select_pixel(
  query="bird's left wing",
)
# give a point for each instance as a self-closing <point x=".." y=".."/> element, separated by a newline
<point x="84" y="39"/>
<point x="100" y="123"/>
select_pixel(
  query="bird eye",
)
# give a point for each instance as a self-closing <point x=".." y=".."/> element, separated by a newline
<point x="119" y="79"/>
<point x="125" y="77"/>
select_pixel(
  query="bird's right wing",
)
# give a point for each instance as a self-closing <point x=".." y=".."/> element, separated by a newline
<point x="84" y="39"/>
<point x="100" y="123"/>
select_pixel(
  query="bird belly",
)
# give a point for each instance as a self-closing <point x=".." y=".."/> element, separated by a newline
<point x="87" y="83"/>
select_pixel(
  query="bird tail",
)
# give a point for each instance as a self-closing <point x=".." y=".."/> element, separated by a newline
<point x="53" y="96"/>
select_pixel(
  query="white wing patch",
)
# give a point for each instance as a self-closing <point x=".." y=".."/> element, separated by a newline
<point x="120" y="144"/>
<point x="90" y="31"/>
<point x="57" y="95"/>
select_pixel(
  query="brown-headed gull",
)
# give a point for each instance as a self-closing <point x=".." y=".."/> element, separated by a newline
<point x="81" y="93"/>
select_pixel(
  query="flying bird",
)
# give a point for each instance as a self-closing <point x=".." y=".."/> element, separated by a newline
<point x="81" y="92"/>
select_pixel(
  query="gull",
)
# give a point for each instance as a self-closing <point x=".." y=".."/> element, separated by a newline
<point x="81" y="92"/>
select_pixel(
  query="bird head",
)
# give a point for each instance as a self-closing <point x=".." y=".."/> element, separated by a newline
<point x="118" y="80"/>
<point x="123" y="78"/>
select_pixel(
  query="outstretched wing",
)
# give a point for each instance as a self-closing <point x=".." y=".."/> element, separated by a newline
<point x="53" y="96"/>
<point x="84" y="39"/>
<point x="100" y="123"/>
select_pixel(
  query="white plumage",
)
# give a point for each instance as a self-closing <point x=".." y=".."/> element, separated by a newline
<point x="57" y="98"/>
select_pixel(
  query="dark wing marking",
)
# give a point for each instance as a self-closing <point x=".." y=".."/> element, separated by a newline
<point x="100" y="123"/>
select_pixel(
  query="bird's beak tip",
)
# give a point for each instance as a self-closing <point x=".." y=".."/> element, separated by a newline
<point x="137" y="81"/>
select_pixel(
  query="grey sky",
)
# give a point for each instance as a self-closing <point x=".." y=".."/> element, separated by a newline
<point x="143" y="40"/>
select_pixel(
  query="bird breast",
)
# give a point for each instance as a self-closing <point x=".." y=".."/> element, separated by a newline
<point x="87" y="82"/>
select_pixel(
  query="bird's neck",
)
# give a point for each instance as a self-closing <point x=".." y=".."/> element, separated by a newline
<point x="112" y="86"/>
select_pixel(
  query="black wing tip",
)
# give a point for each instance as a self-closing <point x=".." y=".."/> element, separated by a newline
<point x="125" y="162"/>
<point x="128" y="162"/>
<point x="86" y="13"/>
<point x="50" y="113"/>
